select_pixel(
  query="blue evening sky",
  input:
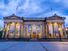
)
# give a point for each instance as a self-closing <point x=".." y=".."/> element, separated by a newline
<point x="33" y="8"/>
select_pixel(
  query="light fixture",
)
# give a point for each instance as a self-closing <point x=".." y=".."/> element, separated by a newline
<point x="55" y="24"/>
<point x="59" y="29"/>
<point x="66" y="29"/>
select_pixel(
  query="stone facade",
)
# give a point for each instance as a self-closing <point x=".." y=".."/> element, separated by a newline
<point x="34" y="28"/>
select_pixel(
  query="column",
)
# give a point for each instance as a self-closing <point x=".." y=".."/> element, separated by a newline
<point x="27" y="32"/>
<point x="48" y="31"/>
<point x="31" y="32"/>
<point x="41" y="35"/>
<point x="20" y="31"/>
<point x="23" y="31"/>
<point x="21" y="35"/>
<point x="36" y="30"/>
<point x="62" y="30"/>
<point x="15" y="30"/>
<point x="8" y="30"/>
<point x="43" y="31"/>
<point x="53" y="28"/>
<point x="4" y="29"/>
<point x="37" y="33"/>
<point x="62" y="35"/>
<point x="7" y="27"/>
<point x="59" y="31"/>
<point x="65" y="35"/>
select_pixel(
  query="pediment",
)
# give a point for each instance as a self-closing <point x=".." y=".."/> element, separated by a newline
<point x="13" y="17"/>
<point x="55" y="17"/>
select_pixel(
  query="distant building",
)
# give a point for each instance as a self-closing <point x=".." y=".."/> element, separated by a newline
<point x="34" y="28"/>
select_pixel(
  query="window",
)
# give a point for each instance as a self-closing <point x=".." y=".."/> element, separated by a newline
<point x="12" y="28"/>
<point x="55" y="28"/>
<point x="17" y="28"/>
<point x="38" y="28"/>
<point x="29" y="27"/>
<point x="50" y="29"/>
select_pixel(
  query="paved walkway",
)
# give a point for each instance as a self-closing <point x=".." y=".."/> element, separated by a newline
<point x="33" y="46"/>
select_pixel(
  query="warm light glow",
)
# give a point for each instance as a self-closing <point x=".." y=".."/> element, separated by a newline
<point x="17" y="35"/>
<point x="55" y="24"/>
<point x="60" y="29"/>
<point x="50" y="29"/>
<point x="11" y="35"/>
<point x="40" y="35"/>
<point x="50" y="23"/>
<point x="18" y="24"/>
<point x="60" y="23"/>
<point x="7" y="27"/>
<point x="66" y="29"/>
<point x="34" y="27"/>
<point x="13" y="24"/>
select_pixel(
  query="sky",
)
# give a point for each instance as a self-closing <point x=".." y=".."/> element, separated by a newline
<point x="33" y="8"/>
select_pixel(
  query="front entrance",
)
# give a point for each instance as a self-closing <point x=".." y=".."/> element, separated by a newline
<point x="34" y="36"/>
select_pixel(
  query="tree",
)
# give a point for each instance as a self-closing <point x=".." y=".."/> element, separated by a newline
<point x="1" y="33"/>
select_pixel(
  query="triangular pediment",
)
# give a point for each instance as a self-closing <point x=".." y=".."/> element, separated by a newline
<point x="55" y="17"/>
<point x="13" y="17"/>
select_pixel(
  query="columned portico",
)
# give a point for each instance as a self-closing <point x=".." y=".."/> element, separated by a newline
<point x="55" y="27"/>
<point x="33" y="31"/>
<point x="18" y="27"/>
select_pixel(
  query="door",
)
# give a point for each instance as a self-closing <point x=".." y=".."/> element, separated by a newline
<point x="34" y="36"/>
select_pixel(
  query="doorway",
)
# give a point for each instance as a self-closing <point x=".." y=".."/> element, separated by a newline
<point x="34" y="35"/>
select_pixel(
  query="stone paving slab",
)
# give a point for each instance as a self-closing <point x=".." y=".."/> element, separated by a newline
<point x="33" y="46"/>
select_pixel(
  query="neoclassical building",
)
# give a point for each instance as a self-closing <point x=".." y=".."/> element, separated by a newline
<point x="34" y="28"/>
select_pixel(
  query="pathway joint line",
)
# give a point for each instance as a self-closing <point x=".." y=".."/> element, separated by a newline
<point x="44" y="47"/>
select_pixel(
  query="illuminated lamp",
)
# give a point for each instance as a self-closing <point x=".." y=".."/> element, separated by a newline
<point x="18" y="24"/>
<point x="66" y="29"/>
<point x="55" y="24"/>
<point x="13" y="23"/>
<point x="60" y="29"/>
<point x="50" y="23"/>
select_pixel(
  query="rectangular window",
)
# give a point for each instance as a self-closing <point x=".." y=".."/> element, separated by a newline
<point x="50" y="29"/>
<point x="38" y="28"/>
<point x="29" y="27"/>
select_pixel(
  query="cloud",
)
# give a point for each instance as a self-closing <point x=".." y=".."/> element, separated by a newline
<point x="9" y="8"/>
<point x="29" y="7"/>
<point x="34" y="8"/>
